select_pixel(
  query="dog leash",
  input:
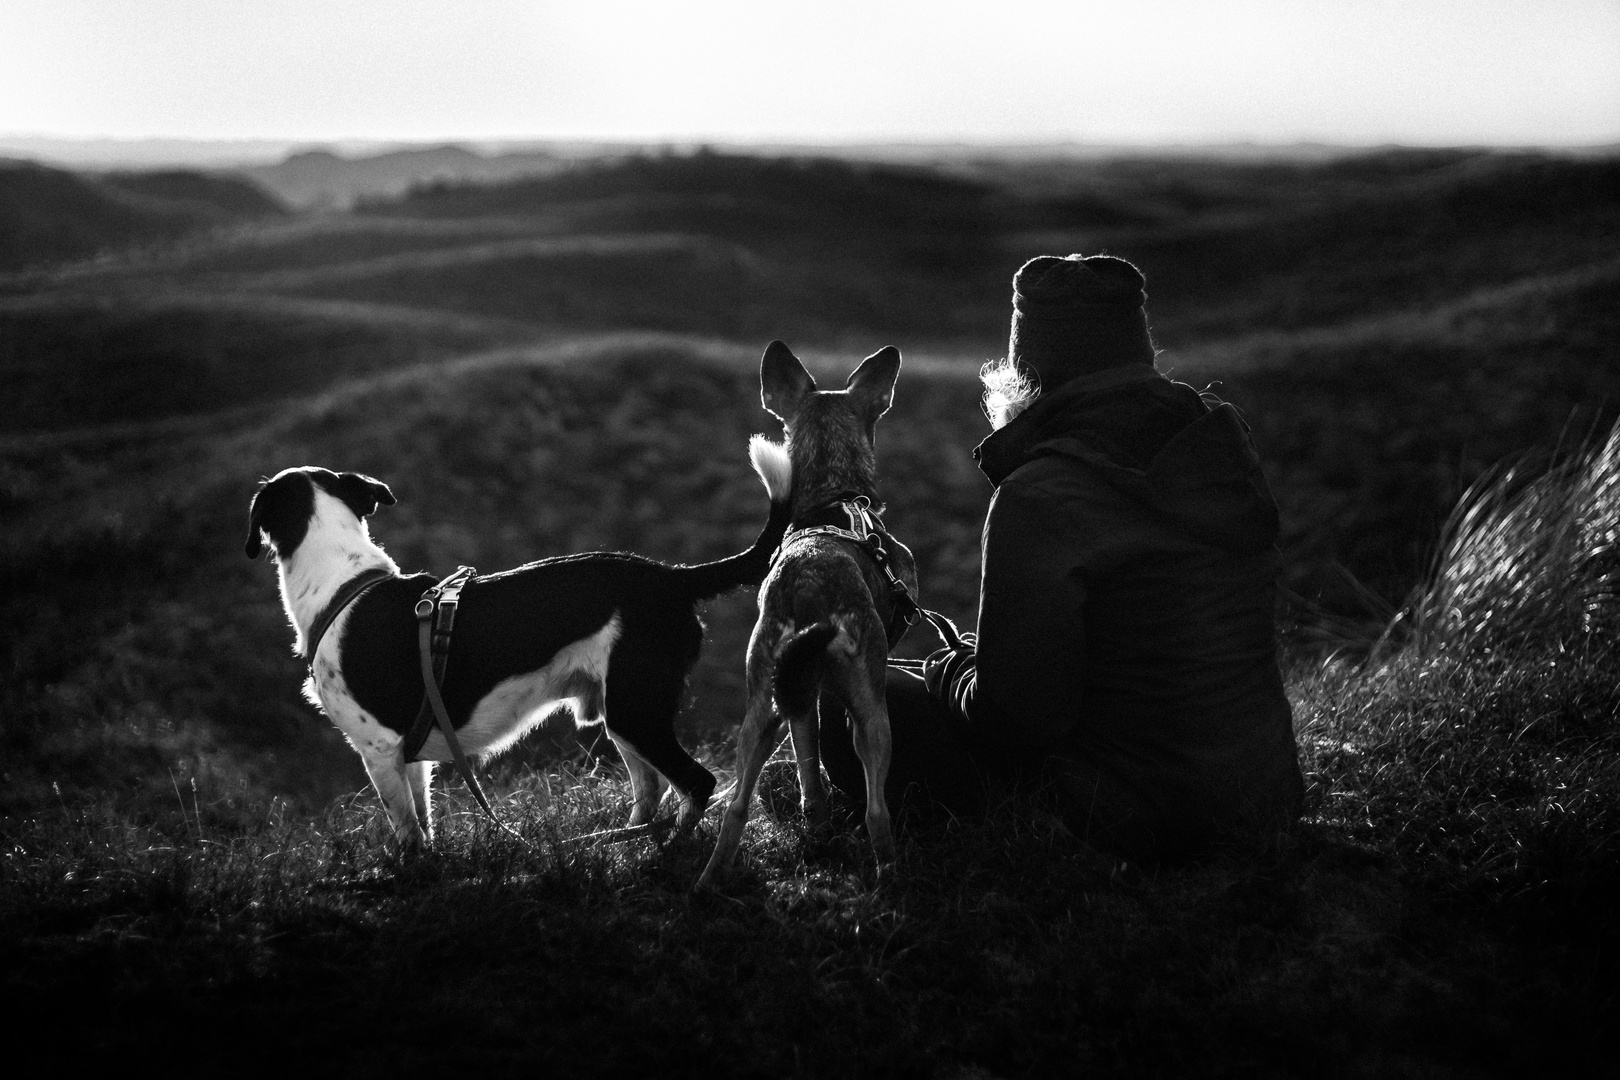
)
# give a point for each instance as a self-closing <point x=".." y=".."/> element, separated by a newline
<point x="624" y="834"/>
<point x="435" y="619"/>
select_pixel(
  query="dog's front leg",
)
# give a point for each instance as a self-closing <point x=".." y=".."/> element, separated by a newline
<point x="392" y="778"/>
<point x="419" y="775"/>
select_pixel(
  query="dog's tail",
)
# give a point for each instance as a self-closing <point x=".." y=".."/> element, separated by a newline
<point x="749" y="567"/>
<point x="798" y="667"/>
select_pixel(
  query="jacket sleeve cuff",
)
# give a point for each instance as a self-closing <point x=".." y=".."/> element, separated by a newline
<point x="950" y="676"/>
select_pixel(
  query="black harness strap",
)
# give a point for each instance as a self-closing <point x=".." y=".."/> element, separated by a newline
<point x="867" y="532"/>
<point x="347" y="593"/>
<point x="435" y="619"/>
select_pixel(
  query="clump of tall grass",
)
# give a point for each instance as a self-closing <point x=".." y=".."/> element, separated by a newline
<point x="1528" y="565"/>
<point x="1481" y="735"/>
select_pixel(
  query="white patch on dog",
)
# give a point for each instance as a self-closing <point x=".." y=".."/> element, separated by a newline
<point x="576" y="677"/>
<point x="327" y="689"/>
<point x="402" y="787"/>
<point x="771" y="462"/>
<point x="336" y="547"/>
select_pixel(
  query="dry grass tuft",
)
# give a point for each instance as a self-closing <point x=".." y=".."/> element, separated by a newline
<point x="1481" y="738"/>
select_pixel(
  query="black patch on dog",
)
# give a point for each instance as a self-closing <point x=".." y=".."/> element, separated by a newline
<point x="359" y="492"/>
<point x="516" y="621"/>
<point x="282" y="509"/>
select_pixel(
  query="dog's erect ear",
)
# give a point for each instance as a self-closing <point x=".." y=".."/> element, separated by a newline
<point x="872" y="384"/>
<point x="363" y="493"/>
<point x="783" y="382"/>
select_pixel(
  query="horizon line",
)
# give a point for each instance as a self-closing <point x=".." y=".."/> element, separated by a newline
<point x="156" y="151"/>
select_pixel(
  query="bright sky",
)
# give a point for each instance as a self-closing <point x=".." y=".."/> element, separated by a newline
<point x="1430" y="71"/>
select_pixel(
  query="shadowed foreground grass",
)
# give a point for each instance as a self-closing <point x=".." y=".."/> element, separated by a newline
<point x="1001" y="945"/>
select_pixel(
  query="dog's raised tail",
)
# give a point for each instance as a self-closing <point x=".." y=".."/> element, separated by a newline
<point x="798" y="668"/>
<point x="770" y="461"/>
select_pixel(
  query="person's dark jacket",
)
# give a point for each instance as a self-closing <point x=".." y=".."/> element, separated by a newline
<point x="1125" y="635"/>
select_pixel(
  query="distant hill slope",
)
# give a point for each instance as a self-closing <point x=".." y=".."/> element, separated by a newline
<point x="321" y="178"/>
<point x="77" y="363"/>
<point x="706" y="243"/>
<point x="225" y="199"/>
<point x="50" y="215"/>
<point x="817" y="201"/>
<point x="817" y="246"/>
<point x="1274" y="247"/>
<point x="1251" y="263"/>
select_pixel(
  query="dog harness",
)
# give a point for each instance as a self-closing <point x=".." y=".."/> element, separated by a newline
<point x="867" y="533"/>
<point x="435" y="619"/>
<point x="347" y="593"/>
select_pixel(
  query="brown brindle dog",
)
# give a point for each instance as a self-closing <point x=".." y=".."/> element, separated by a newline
<point x="826" y="610"/>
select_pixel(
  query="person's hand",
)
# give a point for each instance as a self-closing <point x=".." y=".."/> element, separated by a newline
<point x="943" y="666"/>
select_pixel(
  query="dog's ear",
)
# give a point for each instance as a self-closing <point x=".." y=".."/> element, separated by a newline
<point x="872" y="384"/>
<point x="254" y="544"/>
<point x="363" y="493"/>
<point x="783" y="382"/>
<point x="281" y="510"/>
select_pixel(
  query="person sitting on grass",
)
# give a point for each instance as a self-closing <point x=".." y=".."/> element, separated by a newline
<point x="1125" y="656"/>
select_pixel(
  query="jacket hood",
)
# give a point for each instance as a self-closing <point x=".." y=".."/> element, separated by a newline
<point x="1157" y="441"/>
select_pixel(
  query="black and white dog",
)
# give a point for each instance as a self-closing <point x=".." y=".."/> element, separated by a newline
<point x="610" y="634"/>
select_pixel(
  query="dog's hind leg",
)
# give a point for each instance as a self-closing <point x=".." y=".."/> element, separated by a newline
<point x="642" y="700"/>
<point x="391" y="777"/>
<point x="661" y="752"/>
<point x="758" y="736"/>
<point x="646" y="785"/>
<point x="862" y="693"/>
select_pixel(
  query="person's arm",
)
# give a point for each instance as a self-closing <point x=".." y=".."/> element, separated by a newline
<point x="1024" y="678"/>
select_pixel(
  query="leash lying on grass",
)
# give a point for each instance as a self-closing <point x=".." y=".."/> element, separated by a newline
<point x="652" y="829"/>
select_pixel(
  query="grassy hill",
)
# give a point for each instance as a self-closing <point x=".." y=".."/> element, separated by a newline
<point x="51" y="215"/>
